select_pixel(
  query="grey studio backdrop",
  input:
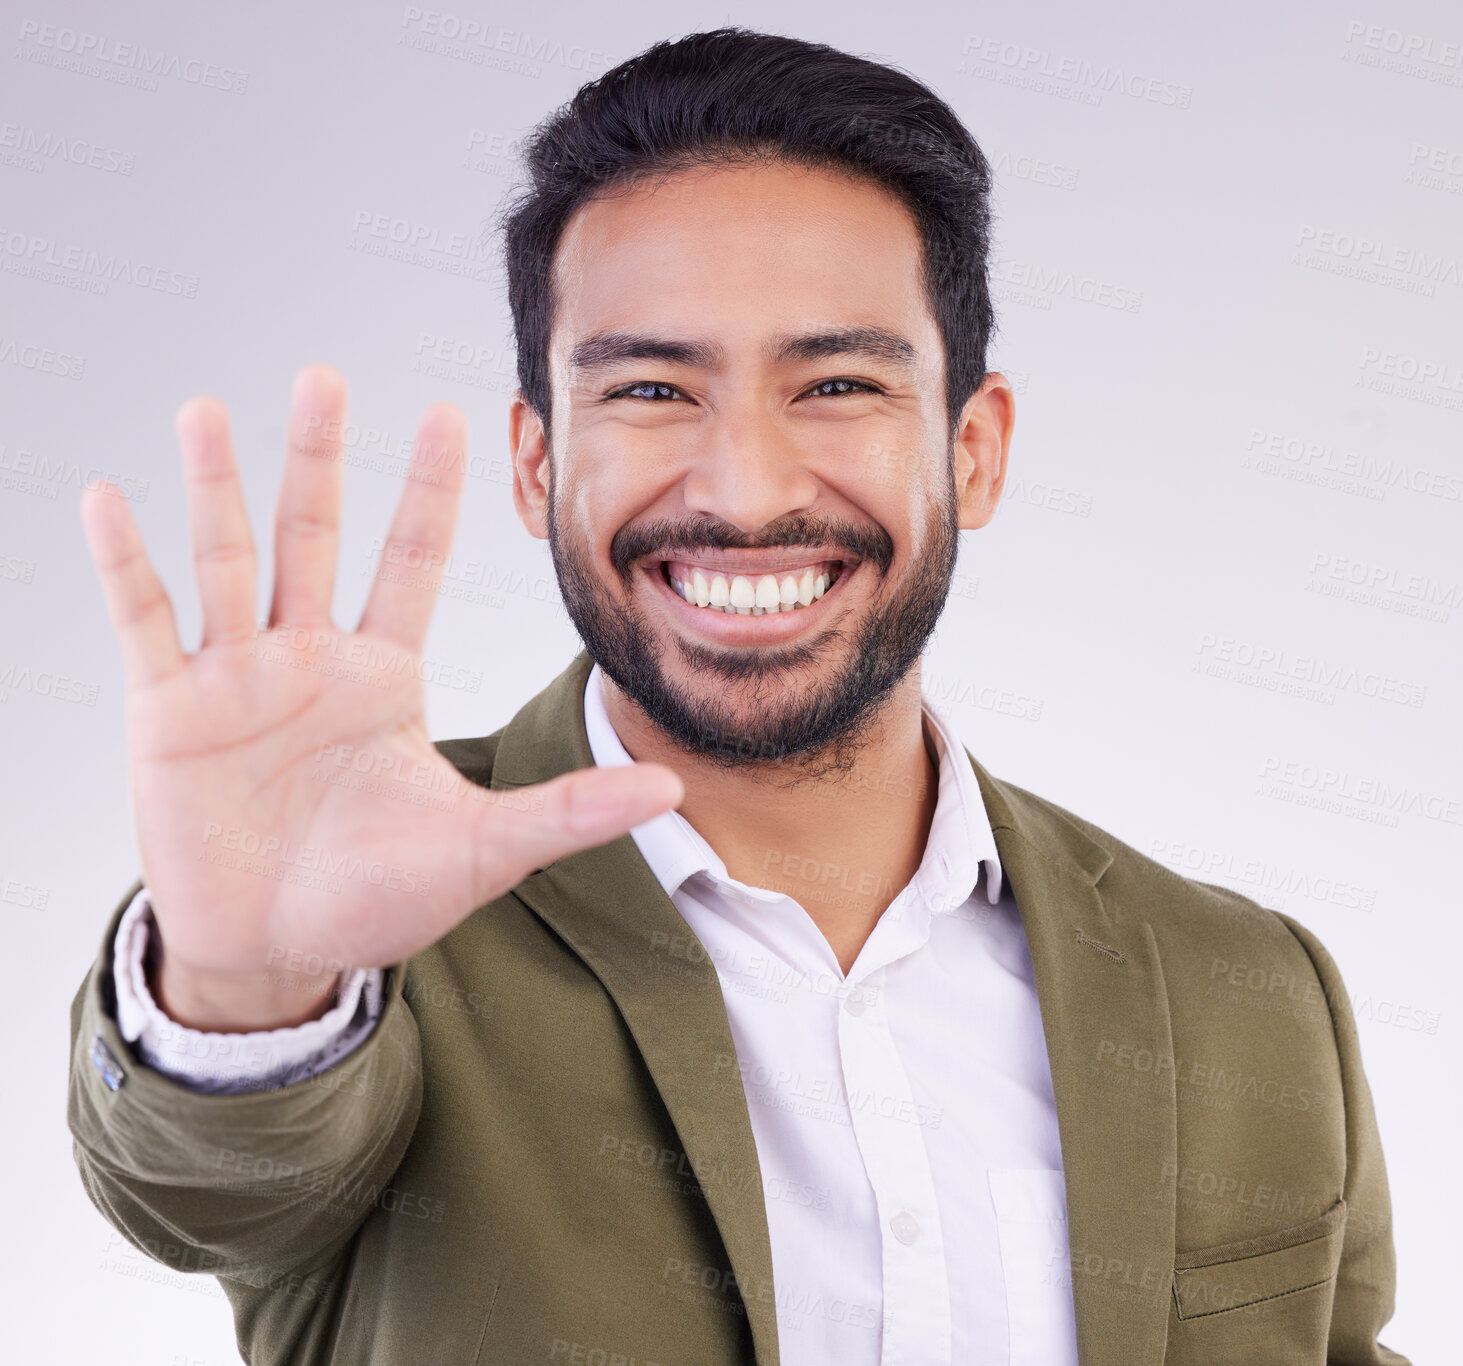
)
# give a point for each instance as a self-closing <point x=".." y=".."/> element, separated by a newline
<point x="1219" y="612"/>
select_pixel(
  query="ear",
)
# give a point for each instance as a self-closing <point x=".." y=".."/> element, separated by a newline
<point x="531" y="475"/>
<point x="982" y="441"/>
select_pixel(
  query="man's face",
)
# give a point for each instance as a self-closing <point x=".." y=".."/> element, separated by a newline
<point x="752" y="499"/>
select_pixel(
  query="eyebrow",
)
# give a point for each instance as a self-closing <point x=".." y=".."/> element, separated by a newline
<point x="604" y="349"/>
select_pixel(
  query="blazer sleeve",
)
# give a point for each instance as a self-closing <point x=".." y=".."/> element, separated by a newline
<point x="1366" y="1279"/>
<point x="262" y="1189"/>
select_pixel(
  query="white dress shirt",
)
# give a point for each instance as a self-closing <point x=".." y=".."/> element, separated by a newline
<point x="903" y="1114"/>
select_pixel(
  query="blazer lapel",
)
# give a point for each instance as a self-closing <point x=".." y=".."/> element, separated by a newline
<point x="1104" y="1013"/>
<point x="607" y="905"/>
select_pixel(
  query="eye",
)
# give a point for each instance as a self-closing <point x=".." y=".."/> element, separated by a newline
<point x="832" y="388"/>
<point x="658" y="392"/>
<point x="653" y="391"/>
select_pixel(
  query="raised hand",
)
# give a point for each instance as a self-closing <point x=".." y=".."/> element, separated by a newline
<point x="254" y="860"/>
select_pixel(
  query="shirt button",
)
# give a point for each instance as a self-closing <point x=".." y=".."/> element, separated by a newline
<point x="854" y="1003"/>
<point x="905" y="1226"/>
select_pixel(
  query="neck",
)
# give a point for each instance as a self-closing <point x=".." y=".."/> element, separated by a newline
<point x="842" y="845"/>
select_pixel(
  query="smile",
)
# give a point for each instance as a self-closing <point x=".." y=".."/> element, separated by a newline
<point x="735" y="607"/>
<point x="789" y="588"/>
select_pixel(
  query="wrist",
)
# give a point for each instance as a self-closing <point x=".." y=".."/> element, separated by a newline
<point x="237" y="1003"/>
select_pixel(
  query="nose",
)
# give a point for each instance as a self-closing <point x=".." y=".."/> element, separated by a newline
<point x="748" y="470"/>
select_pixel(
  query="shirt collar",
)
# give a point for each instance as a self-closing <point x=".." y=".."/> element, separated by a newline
<point x="960" y="837"/>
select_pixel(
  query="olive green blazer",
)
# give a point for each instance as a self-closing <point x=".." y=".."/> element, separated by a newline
<point x="542" y="1153"/>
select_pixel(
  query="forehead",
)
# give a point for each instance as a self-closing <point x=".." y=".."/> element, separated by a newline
<point x="741" y="252"/>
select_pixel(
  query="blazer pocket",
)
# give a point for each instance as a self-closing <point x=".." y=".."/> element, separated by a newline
<point x="1232" y="1277"/>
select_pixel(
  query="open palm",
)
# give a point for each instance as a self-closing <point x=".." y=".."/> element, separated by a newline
<point x="292" y="813"/>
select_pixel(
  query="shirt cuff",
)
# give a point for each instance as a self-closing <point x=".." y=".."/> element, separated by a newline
<point x="228" y="1063"/>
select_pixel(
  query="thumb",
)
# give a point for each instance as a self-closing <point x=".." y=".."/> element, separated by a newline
<point x="603" y="803"/>
<point x="574" y="811"/>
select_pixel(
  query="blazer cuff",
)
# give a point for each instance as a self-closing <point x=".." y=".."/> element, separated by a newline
<point x="132" y="1118"/>
<point x="227" y="1063"/>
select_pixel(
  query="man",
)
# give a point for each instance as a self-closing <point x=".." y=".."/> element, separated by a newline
<point x="719" y="1008"/>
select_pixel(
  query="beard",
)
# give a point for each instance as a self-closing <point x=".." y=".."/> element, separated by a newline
<point x="791" y="709"/>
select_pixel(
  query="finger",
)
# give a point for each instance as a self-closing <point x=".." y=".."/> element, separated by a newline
<point x="223" y="549"/>
<point x="520" y="829"/>
<point x="137" y="603"/>
<point x="307" y="513"/>
<point x="404" y="591"/>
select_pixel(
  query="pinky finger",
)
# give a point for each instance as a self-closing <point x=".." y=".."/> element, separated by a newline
<point x="141" y="612"/>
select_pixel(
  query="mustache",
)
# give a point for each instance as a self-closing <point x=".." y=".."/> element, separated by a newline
<point x="665" y="537"/>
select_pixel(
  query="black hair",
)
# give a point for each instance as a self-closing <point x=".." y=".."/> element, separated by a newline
<point x="732" y="95"/>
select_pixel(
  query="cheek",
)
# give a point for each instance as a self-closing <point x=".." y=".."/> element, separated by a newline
<point x="607" y="485"/>
<point x="591" y="510"/>
<point x="912" y="516"/>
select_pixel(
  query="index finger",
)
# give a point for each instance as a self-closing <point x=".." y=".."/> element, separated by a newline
<point x="414" y="557"/>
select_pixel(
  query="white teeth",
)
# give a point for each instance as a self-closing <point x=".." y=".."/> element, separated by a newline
<point x="741" y="595"/>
